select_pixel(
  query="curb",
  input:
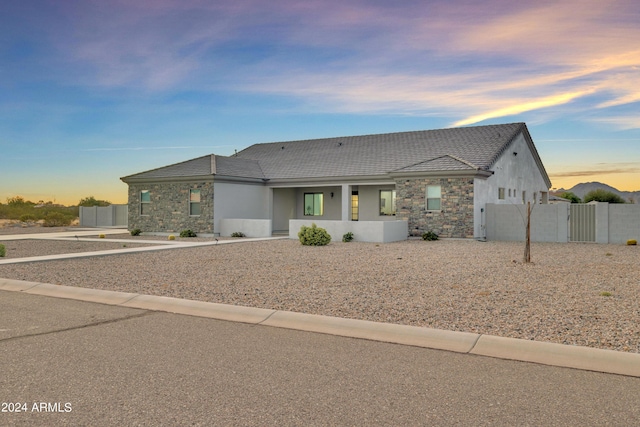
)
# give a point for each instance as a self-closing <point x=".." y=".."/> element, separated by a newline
<point x="552" y="354"/>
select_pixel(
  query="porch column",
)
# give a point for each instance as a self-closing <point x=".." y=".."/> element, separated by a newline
<point x="346" y="202"/>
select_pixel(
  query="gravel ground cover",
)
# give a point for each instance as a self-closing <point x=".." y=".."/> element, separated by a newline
<point x="579" y="294"/>
<point x="16" y="227"/>
<point x="35" y="247"/>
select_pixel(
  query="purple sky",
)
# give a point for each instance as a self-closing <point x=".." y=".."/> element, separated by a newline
<point x="94" y="90"/>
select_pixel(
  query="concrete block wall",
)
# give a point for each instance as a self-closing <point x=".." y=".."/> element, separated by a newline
<point x="363" y="231"/>
<point x="615" y="223"/>
<point x="249" y="227"/>
<point x="104" y="216"/>
<point x="624" y="223"/>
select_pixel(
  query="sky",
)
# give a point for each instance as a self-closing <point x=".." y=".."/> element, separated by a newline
<point x="91" y="91"/>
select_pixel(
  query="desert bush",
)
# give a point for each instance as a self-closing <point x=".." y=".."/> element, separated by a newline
<point x="632" y="242"/>
<point x="429" y="236"/>
<point x="3" y="251"/>
<point x="136" y="232"/>
<point x="238" y="234"/>
<point x="57" y="219"/>
<point x="313" y="236"/>
<point x="347" y="237"/>
<point x="171" y="237"/>
<point x="28" y="218"/>
<point x="188" y="233"/>
<point x="602" y="195"/>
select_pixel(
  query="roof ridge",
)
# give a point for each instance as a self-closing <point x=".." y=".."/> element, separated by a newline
<point x="440" y="157"/>
<point x="331" y="138"/>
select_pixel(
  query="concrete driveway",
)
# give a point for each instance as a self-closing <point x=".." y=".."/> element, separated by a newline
<point x="80" y="363"/>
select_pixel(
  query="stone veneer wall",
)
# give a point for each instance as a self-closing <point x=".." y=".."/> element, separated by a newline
<point x="169" y="208"/>
<point x="455" y="219"/>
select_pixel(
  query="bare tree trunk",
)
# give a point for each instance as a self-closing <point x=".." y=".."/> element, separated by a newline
<point x="527" y="245"/>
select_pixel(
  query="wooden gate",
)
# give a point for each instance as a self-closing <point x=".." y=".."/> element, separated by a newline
<point x="582" y="222"/>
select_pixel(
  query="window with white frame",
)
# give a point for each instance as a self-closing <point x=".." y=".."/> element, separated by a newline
<point x="501" y="193"/>
<point x="313" y="204"/>
<point x="434" y="197"/>
<point x="145" y="202"/>
<point x="387" y="202"/>
<point x="194" y="202"/>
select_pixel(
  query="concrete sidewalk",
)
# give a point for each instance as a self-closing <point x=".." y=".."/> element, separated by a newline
<point x="461" y="342"/>
<point x="485" y="345"/>
<point x="68" y="362"/>
<point x="82" y="236"/>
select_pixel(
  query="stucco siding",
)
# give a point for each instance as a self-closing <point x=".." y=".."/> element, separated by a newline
<point x="516" y="173"/>
<point x="284" y="208"/>
<point x="332" y="208"/>
<point x="240" y="201"/>
<point x="369" y="203"/>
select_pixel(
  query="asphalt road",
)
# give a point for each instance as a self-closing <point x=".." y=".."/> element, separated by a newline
<point x="68" y="362"/>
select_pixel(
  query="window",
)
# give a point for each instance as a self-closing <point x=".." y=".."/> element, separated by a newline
<point x="194" y="202"/>
<point x="313" y="204"/>
<point x="434" y="197"/>
<point x="145" y="202"/>
<point x="354" y="206"/>
<point x="387" y="202"/>
<point x="501" y="193"/>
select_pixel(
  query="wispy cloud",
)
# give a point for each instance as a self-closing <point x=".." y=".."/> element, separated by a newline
<point x="522" y="107"/>
<point x="599" y="169"/>
<point x="468" y="61"/>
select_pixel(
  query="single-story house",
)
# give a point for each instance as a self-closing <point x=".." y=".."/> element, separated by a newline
<point x="381" y="187"/>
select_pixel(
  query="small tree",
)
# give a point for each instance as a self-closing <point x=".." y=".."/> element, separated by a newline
<point x="602" y="195"/>
<point x="570" y="196"/>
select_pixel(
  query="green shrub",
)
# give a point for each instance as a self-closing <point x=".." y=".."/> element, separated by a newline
<point x="602" y="195"/>
<point x="313" y="236"/>
<point x="3" y="251"/>
<point x="347" y="237"/>
<point x="632" y="242"/>
<point x="28" y="218"/>
<point x="238" y="234"/>
<point x="188" y="233"/>
<point x="136" y="232"/>
<point x="171" y="237"/>
<point x="429" y="236"/>
<point x="57" y="219"/>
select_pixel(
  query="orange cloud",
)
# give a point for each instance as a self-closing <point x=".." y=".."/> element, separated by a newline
<point x="549" y="101"/>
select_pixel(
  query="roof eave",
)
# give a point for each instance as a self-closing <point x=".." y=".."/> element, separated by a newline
<point x="192" y="178"/>
<point x="476" y="173"/>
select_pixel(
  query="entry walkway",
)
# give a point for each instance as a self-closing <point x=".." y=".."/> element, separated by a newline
<point x="83" y="236"/>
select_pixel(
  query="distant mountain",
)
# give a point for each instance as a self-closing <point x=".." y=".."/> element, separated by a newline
<point x="583" y="188"/>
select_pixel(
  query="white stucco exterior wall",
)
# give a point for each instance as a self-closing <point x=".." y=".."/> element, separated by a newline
<point x="232" y="200"/>
<point x="516" y="173"/>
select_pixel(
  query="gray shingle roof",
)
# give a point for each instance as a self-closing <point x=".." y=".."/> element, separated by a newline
<point x="455" y="149"/>
<point x="208" y="165"/>
<point x="200" y="166"/>
<point x="371" y="155"/>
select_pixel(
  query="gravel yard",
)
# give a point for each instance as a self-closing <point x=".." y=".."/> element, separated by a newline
<point x="27" y="248"/>
<point x="580" y="294"/>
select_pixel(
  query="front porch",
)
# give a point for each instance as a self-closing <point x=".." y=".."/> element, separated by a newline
<point x="367" y="210"/>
